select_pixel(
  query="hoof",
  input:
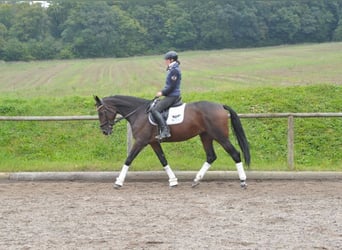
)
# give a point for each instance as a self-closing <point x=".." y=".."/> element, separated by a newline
<point x="117" y="186"/>
<point x="173" y="182"/>
<point x="195" y="184"/>
<point x="174" y="186"/>
<point x="243" y="184"/>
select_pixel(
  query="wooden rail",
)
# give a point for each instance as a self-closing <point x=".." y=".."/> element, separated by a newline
<point x="290" y="125"/>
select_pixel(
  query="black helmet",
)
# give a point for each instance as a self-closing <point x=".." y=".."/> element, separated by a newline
<point x="171" y="55"/>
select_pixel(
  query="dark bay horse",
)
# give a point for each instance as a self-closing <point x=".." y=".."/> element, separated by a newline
<point x="206" y="119"/>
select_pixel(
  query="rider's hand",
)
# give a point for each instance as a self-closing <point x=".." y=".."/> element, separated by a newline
<point x="159" y="94"/>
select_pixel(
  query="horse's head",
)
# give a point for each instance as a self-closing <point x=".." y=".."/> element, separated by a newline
<point x="106" y="116"/>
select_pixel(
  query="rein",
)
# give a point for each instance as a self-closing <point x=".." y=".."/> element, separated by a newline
<point x="126" y="116"/>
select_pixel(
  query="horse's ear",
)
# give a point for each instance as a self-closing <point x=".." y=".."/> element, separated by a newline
<point x="98" y="100"/>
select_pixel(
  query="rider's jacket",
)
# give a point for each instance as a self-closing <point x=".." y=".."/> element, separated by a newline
<point x="173" y="80"/>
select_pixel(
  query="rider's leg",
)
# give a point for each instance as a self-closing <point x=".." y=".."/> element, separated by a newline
<point x="165" y="132"/>
<point x="162" y="105"/>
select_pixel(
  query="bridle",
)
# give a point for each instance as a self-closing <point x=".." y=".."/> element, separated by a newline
<point x="114" y="121"/>
<point x="107" y="121"/>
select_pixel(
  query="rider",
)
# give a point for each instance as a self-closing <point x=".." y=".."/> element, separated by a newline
<point x="171" y="92"/>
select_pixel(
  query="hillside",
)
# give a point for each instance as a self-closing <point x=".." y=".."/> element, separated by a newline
<point x="203" y="71"/>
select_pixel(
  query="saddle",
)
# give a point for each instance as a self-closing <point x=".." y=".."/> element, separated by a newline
<point x="173" y="115"/>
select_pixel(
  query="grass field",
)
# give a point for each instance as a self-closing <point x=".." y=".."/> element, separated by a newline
<point x="301" y="78"/>
<point x="203" y="71"/>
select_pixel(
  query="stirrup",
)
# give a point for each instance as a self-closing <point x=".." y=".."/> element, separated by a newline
<point x="161" y="136"/>
<point x="164" y="133"/>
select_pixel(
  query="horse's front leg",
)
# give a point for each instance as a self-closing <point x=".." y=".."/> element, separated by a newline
<point x="137" y="147"/>
<point x="173" y="181"/>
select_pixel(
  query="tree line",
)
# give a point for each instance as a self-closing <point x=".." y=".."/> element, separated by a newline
<point x="88" y="29"/>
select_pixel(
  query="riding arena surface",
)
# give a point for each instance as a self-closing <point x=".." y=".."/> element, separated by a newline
<point x="150" y="215"/>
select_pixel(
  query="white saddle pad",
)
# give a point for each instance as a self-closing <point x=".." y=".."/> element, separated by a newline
<point x="176" y="115"/>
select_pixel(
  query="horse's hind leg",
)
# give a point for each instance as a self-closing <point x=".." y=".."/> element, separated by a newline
<point x="207" y="142"/>
<point x="173" y="182"/>
<point x="230" y="149"/>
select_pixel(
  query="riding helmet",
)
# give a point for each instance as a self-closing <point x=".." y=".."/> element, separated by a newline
<point x="171" y="55"/>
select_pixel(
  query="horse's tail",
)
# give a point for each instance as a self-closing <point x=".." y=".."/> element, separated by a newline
<point x="239" y="134"/>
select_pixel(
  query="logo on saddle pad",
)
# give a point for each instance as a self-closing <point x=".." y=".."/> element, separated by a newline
<point x="174" y="115"/>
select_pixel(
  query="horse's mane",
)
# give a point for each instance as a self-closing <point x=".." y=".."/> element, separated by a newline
<point x="126" y="103"/>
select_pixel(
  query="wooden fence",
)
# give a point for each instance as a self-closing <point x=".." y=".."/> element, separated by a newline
<point x="290" y="127"/>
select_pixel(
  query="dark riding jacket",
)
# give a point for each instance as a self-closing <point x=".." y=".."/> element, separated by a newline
<point x="173" y="80"/>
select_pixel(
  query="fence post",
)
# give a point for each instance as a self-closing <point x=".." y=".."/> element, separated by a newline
<point x="290" y="142"/>
<point x="129" y="138"/>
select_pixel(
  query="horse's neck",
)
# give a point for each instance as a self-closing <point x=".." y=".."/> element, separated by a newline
<point x="122" y="104"/>
<point x="128" y="107"/>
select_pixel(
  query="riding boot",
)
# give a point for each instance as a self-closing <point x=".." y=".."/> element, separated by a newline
<point x="165" y="131"/>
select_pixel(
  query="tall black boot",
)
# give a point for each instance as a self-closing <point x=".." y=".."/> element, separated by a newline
<point x="165" y="131"/>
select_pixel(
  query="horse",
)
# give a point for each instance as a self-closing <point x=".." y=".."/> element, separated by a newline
<point x="209" y="120"/>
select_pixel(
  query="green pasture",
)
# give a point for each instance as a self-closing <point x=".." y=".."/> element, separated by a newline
<point x="301" y="78"/>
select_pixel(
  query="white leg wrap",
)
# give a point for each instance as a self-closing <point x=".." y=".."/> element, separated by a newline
<point x="241" y="172"/>
<point x="172" y="178"/>
<point x="202" y="172"/>
<point x="121" y="178"/>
